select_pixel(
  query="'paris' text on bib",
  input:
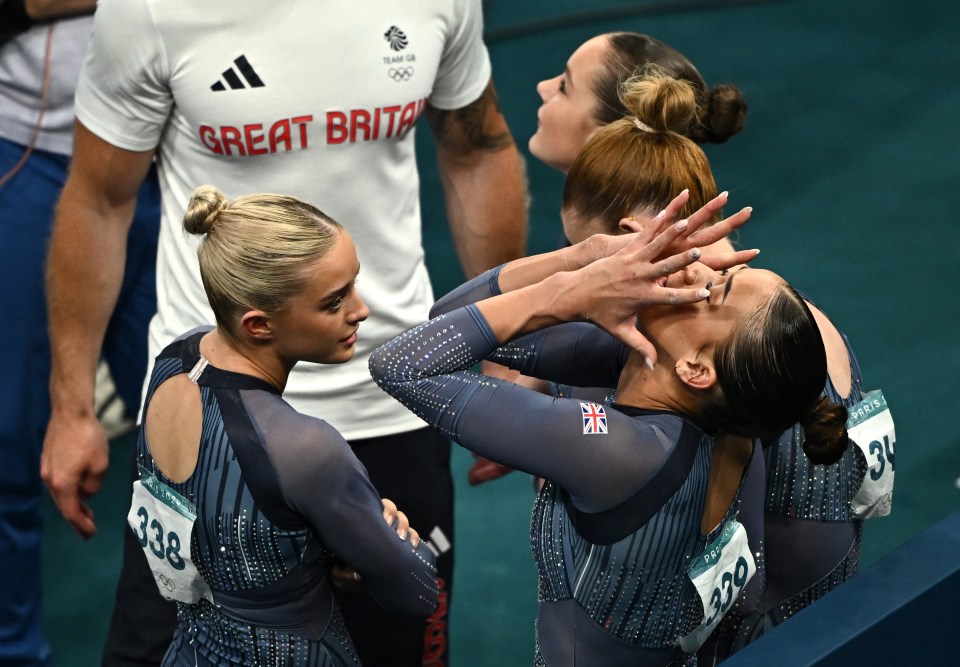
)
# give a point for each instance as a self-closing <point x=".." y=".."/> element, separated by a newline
<point x="870" y="426"/>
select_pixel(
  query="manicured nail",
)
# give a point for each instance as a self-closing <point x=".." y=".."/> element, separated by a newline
<point x="649" y="362"/>
<point x="749" y="209"/>
<point x="680" y="226"/>
<point x="703" y="293"/>
<point x="694" y="253"/>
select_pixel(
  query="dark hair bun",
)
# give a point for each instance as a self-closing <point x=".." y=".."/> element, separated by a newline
<point x="204" y="208"/>
<point x="825" y="432"/>
<point x="722" y="116"/>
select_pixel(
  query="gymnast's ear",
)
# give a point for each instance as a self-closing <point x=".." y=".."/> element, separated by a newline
<point x="257" y="325"/>
<point x="696" y="373"/>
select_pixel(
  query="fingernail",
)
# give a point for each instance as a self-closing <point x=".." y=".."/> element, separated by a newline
<point x="724" y="194"/>
<point x="649" y="362"/>
<point x="402" y="535"/>
<point x="703" y="293"/>
<point x="748" y="208"/>
<point x="694" y="253"/>
<point x="682" y="225"/>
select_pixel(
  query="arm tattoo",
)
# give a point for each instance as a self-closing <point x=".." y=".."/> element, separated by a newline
<point x="466" y="129"/>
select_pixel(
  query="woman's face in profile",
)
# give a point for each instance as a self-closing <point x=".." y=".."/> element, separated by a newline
<point x="735" y="295"/>
<point x="565" y="120"/>
<point x="320" y="324"/>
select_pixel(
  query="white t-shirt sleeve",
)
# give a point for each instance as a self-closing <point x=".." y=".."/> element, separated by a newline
<point x="123" y="95"/>
<point x="465" y="65"/>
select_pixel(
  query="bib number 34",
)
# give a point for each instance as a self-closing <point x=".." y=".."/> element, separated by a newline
<point x="870" y="427"/>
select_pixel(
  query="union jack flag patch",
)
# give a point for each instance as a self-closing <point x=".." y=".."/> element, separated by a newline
<point x="594" y="418"/>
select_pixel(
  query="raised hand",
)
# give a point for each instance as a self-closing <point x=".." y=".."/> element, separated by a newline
<point x="697" y="235"/>
<point x="611" y="290"/>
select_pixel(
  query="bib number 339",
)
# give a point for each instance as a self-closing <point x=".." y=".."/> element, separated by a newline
<point x="719" y="575"/>
<point x="162" y="521"/>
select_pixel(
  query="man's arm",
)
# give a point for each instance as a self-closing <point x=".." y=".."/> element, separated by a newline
<point x="483" y="183"/>
<point x="47" y="9"/>
<point x="84" y="272"/>
<point x="484" y="186"/>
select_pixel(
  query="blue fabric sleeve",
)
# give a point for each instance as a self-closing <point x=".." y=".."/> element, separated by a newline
<point x="324" y="482"/>
<point x="576" y="353"/>
<point x="542" y="435"/>
<point x="484" y="286"/>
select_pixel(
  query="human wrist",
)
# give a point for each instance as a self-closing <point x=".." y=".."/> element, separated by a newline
<point x="589" y="250"/>
<point x="72" y="407"/>
<point x="558" y="300"/>
<point x="71" y="398"/>
<point x="538" y="306"/>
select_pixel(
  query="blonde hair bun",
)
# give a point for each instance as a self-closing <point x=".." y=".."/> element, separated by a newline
<point x="659" y="101"/>
<point x="204" y="208"/>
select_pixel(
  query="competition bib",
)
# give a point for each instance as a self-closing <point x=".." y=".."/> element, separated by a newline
<point x="163" y="521"/>
<point x="870" y="426"/>
<point x="719" y="576"/>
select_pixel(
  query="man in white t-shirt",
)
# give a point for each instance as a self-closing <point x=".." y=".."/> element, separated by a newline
<point x="319" y="101"/>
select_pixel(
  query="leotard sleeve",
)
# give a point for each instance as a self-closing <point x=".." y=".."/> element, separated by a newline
<point x="576" y="353"/>
<point x="599" y="455"/>
<point x="322" y="480"/>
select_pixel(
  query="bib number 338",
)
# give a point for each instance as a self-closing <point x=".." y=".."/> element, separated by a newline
<point x="162" y="521"/>
<point x="719" y="575"/>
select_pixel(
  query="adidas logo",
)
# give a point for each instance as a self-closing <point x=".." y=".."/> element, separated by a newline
<point x="233" y="75"/>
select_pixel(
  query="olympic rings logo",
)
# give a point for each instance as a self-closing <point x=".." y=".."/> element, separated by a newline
<point x="400" y="73"/>
<point x="164" y="581"/>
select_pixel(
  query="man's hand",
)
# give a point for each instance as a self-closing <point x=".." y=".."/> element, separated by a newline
<point x="74" y="460"/>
